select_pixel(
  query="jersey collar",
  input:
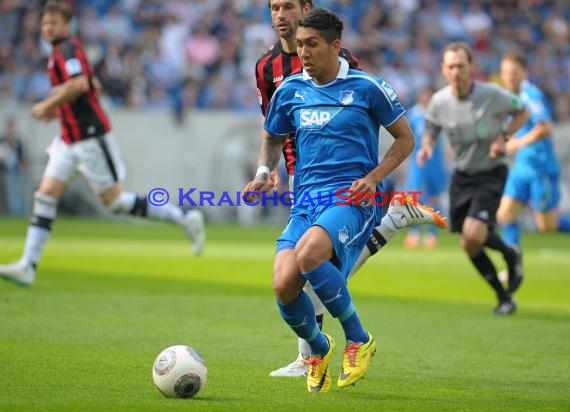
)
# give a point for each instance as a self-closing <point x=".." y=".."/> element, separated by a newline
<point x="342" y="71"/>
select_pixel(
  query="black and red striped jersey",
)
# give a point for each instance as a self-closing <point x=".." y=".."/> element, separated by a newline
<point x="270" y="70"/>
<point x="83" y="117"/>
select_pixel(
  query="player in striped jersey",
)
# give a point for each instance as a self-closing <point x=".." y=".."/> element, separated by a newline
<point x="278" y="63"/>
<point x="85" y="146"/>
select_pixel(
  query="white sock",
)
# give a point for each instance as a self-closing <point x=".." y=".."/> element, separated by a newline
<point x="39" y="231"/>
<point x="361" y="259"/>
<point x="138" y="205"/>
<point x="167" y="212"/>
<point x="317" y="304"/>
<point x="304" y="348"/>
<point x="36" y="239"/>
<point x="387" y="228"/>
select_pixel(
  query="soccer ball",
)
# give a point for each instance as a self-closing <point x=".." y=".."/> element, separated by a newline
<point x="179" y="372"/>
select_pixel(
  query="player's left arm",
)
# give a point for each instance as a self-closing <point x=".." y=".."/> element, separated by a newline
<point x="538" y="132"/>
<point x="542" y="119"/>
<point x="400" y="149"/>
<point x="386" y="106"/>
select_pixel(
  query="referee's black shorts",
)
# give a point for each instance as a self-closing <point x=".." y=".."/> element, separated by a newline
<point x="476" y="196"/>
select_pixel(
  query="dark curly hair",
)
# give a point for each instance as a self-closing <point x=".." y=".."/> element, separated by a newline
<point x="327" y="22"/>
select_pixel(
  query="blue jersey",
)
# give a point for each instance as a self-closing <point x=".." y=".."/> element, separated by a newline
<point x="432" y="178"/>
<point x="416" y="118"/>
<point x="336" y="126"/>
<point x="538" y="157"/>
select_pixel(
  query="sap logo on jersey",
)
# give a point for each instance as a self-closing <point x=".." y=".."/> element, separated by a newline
<point x="318" y="117"/>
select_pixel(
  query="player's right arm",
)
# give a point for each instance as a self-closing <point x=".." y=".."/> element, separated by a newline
<point x="269" y="155"/>
<point x="274" y="175"/>
<point x="71" y="63"/>
<point x="66" y="92"/>
<point x="277" y="126"/>
<point x="265" y="91"/>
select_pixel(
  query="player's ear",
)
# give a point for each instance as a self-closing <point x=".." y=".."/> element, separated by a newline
<point x="335" y="46"/>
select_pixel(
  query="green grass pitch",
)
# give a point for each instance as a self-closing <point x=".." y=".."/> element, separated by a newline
<point x="111" y="295"/>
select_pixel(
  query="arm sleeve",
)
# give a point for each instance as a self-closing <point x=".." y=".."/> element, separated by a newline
<point x="386" y="104"/>
<point x="508" y="102"/>
<point x="278" y="120"/>
<point x="432" y="127"/>
<point x="264" y="91"/>
<point x="73" y="63"/>
<point x="539" y="110"/>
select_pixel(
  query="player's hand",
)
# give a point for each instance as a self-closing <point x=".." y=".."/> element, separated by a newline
<point x="423" y="155"/>
<point x="362" y="192"/>
<point x="274" y="179"/>
<point x="497" y="148"/>
<point x="41" y="112"/>
<point x="512" y="146"/>
<point x="257" y="186"/>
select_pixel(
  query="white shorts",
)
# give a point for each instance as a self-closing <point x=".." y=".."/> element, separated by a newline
<point x="98" y="159"/>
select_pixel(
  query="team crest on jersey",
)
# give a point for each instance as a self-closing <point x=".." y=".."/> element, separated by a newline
<point x="73" y="67"/>
<point x="343" y="235"/>
<point x="318" y="117"/>
<point x="346" y="97"/>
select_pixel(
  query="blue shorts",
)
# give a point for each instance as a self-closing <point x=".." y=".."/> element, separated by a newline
<point x="540" y="191"/>
<point x="431" y="180"/>
<point x="349" y="228"/>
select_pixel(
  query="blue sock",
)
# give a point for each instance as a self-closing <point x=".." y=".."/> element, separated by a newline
<point x="512" y="233"/>
<point x="564" y="223"/>
<point x="300" y="316"/>
<point x="330" y="286"/>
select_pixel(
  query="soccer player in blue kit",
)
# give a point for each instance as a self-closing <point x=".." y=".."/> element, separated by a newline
<point x="534" y="176"/>
<point x="274" y="66"/>
<point x="336" y="113"/>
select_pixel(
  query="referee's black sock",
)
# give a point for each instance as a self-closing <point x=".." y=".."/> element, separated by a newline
<point x="486" y="268"/>
<point x="495" y="242"/>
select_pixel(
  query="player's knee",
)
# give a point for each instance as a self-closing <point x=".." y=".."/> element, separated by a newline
<point x="470" y="244"/>
<point x="307" y="259"/>
<point x="44" y="205"/>
<point x="285" y="288"/>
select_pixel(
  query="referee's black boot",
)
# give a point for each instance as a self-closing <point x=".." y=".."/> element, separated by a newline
<point x="507" y="307"/>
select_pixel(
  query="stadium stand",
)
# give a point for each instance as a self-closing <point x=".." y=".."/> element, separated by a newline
<point x="181" y="54"/>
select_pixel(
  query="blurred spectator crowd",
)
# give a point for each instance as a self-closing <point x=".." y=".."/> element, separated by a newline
<point x="181" y="54"/>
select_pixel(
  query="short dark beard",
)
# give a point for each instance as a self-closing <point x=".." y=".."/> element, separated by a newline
<point x="58" y="40"/>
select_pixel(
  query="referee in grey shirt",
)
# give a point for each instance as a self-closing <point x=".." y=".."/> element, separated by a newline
<point x="474" y="116"/>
